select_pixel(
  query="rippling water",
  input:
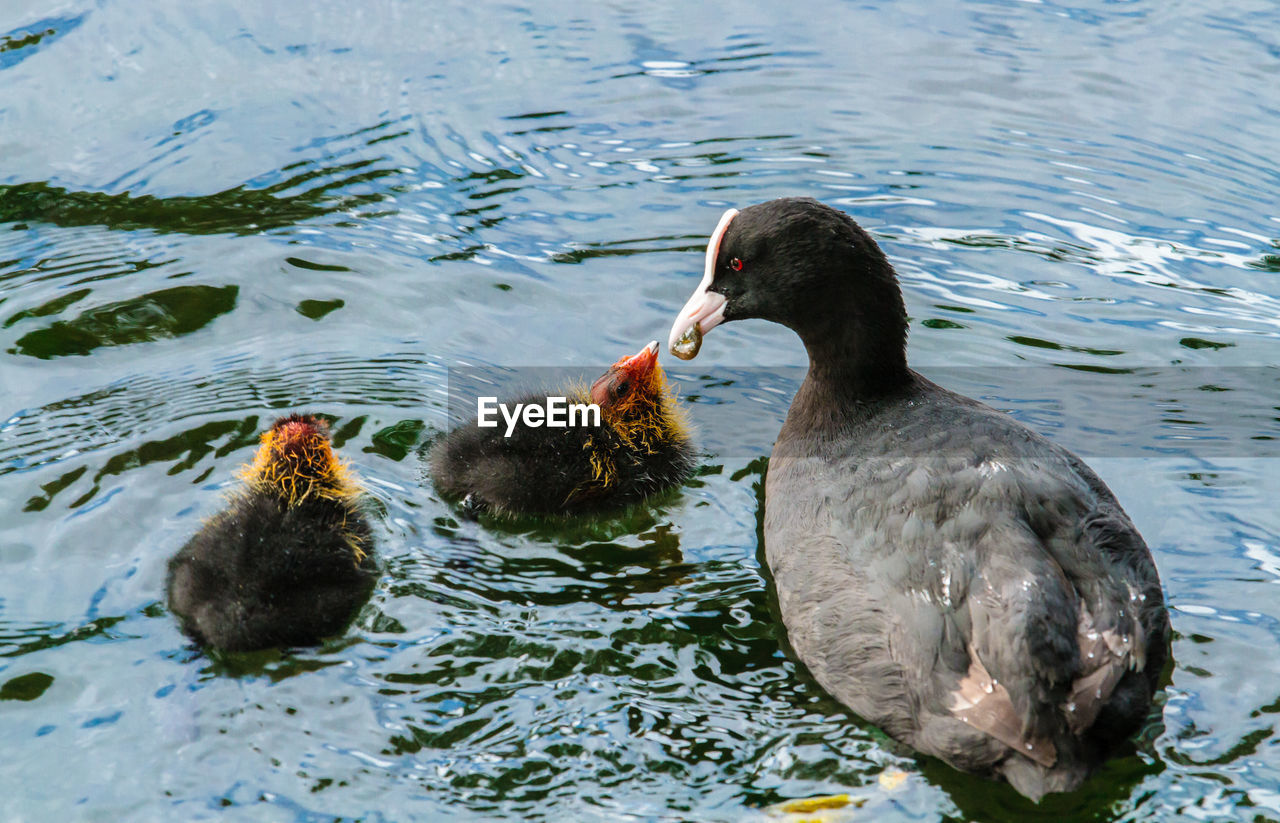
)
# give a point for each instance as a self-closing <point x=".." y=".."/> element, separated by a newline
<point x="211" y="214"/>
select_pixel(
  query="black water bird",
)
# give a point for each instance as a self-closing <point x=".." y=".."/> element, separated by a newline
<point x="950" y="575"/>
<point x="638" y="447"/>
<point x="289" y="560"/>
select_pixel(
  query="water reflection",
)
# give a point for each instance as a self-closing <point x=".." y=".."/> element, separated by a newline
<point x="25" y="41"/>
<point x="237" y="211"/>
<point x="167" y="313"/>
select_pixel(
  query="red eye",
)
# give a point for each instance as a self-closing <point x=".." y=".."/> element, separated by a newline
<point x="735" y="264"/>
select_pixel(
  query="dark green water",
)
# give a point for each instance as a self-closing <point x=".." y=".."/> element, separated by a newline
<point x="211" y="213"/>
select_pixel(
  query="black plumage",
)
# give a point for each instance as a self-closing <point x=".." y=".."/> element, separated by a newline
<point x="967" y="585"/>
<point x="288" y="561"/>
<point x="639" y="447"/>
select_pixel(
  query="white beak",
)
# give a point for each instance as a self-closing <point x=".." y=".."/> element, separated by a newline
<point x="705" y="309"/>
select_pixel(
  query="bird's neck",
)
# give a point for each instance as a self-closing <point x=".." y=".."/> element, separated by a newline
<point x="852" y="360"/>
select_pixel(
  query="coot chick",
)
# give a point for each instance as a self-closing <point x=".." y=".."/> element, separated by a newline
<point x="638" y="446"/>
<point x="288" y="562"/>
<point x="950" y="575"/>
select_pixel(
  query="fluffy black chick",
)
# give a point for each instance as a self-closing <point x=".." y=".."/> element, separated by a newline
<point x="289" y="560"/>
<point x="639" y="446"/>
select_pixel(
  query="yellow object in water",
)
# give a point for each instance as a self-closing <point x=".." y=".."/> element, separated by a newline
<point x="813" y="804"/>
<point x="892" y="780"/>
<point x="833" y="808"/>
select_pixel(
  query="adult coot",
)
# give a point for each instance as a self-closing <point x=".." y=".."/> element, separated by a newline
<point x="638" y="446"/>
<point x="288" y="562"/>
<point x="950" y="575"/>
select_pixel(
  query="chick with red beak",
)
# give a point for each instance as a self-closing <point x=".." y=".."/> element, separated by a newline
<point x="636" y="447"/>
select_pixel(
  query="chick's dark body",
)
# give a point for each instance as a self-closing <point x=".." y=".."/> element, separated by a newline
<point x="558" y="471"/>
<point x="261" y="573"/>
